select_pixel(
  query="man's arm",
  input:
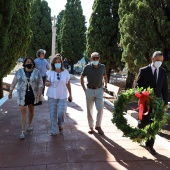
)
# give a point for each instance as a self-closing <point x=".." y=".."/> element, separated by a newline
<point x="82" y="82"/>
<point x="47" y="65"/>
<point x="35" y="61"/>
<point x="105" y="79"/>
<point x="140" y="79"/>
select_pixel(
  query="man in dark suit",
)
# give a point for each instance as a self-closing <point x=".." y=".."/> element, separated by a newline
<point x="155" y="77"/>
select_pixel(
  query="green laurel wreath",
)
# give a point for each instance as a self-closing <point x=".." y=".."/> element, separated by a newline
<point x="158" y="116"/>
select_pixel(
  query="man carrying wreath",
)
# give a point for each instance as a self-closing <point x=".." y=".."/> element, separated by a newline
<point x="153" y="76"/>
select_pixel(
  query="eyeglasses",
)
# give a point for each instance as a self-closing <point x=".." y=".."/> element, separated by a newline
<point x="58" y="76"/>
<point x="95" y="58"/>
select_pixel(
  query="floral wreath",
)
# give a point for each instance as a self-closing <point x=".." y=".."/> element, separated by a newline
<point x="158" y="114"/>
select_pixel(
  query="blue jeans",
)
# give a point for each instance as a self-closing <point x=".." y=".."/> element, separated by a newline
<point x="57" y="108"/>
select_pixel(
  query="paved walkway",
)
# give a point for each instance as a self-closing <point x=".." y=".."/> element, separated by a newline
<point x="75" y="149"/>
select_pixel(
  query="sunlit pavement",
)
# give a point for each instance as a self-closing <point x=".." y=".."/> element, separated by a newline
<point x="75" y="149"/>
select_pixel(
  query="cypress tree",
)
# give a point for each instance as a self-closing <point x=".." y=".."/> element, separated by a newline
<point x="41" y="27"/>
<point x="58" y="25"/>
<point x="103" y="34"/>
<point x="6" y="12"/>
<point x="144" y="28"/>
<point x="72" y="32"/>
<point x="15" y="34"/>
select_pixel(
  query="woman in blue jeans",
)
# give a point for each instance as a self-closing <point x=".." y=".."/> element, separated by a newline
<point x="59" y="89"/>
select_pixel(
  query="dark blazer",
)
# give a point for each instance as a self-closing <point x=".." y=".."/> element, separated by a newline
<point x="146" y="79"/>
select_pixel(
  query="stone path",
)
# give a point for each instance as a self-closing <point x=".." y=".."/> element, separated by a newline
<point x="75" y="149"/>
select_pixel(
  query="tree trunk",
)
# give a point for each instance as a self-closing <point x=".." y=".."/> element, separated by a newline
<point x="108" y="75"/>
<point x="71" y="63"/>
<point x="72" y="69"/>
<point x="1" y="88"/>
<point x="168" y="74"/>
<point x="129" y="80"/>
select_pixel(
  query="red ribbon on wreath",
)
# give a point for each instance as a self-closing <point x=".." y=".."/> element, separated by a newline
<point x="143" y="97"/>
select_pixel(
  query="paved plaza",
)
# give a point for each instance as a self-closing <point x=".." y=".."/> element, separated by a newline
<point x="75" y="149"/>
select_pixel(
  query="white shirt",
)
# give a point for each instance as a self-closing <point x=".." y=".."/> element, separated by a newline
<point x="153" y="69"/>
<point x="58" y="88"/>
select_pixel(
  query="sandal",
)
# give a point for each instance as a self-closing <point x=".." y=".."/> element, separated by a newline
<point x="30" y="128"/>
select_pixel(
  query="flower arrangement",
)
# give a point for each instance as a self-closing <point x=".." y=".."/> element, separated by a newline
<point x="158" y="114"/>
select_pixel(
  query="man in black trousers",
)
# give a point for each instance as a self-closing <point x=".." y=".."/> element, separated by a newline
<point x="155" y="77"/>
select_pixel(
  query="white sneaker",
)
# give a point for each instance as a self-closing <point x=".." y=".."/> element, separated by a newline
<point x="30" y="128"/>
<point x="22" y="135"/>
<point x="53" y="134"/>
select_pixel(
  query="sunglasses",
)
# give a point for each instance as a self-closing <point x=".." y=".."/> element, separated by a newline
<point x="58" y="76"/>
<point x="95" y="58"/>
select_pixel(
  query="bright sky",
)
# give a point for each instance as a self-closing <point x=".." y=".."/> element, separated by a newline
<point x="58" y="5"/>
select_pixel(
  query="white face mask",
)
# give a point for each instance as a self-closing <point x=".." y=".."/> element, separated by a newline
<point x="95" y="63"/>
<point x="157" y="64"/>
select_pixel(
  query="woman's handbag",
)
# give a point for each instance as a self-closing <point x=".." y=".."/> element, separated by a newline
<point x="40" y="102"/>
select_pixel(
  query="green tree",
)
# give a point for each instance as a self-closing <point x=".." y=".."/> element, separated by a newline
<point x="144" y="28"/>
<point x="41" y="27"/>
<point x="72" y="32"/>
<point x="58" y="25"/>
<point x="103" y="34"/>
<point x="15" y="34"/>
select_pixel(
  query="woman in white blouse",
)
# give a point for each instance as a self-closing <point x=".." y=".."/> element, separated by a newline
<point x="59" y="89"/>
<point x="29" y="90"/>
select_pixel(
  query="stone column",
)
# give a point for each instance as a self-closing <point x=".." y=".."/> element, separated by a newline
<point x="53" y="41"/>
<point x="54" y="19"/>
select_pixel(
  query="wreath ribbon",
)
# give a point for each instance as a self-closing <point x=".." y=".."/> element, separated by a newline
<point x="143" y="97"/>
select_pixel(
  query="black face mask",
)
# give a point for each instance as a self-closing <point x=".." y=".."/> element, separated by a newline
<point x="28" y="66"/>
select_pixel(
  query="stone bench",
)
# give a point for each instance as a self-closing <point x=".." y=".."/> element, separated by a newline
<point x="7" y="82"/>
<point x="112" y="92"/>
<point x="6" y="86"/>
<point x="133" y="113"/>
<point x="108" y="96"/>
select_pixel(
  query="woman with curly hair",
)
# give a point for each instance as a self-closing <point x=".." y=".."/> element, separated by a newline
<point x="29" y="90"/>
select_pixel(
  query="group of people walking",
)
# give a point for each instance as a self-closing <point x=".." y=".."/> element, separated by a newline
<point x="36" y="74"/>
<point x="32" y="79"/>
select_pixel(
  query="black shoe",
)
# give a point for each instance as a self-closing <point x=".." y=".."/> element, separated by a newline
<point x="151" y="150"/>
<point x="100" y="131"/>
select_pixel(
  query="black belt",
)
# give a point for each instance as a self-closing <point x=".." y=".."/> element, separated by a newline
<point x="93" y="87"/>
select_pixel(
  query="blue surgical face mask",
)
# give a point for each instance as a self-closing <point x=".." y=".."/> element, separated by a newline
<point x="95" y="63"/>
<point x="57" y="65"/>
